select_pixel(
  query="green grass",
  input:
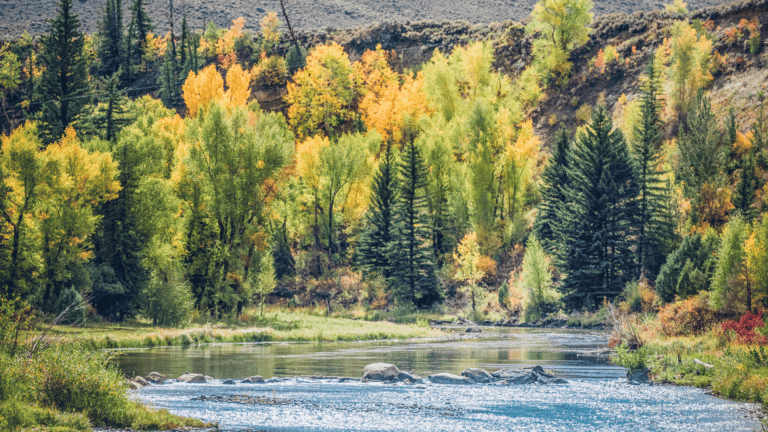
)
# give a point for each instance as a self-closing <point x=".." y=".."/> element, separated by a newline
<point x="67" y="389"/>
<point x="298" y="326"/>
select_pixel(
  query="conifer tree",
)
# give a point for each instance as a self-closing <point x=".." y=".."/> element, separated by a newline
<point x="413" y="272"/>
<point x="111" y="36"/>
<point x="64" y="80"/>
<point x="112" y="114"/>
<point x="654" y="223"/>
<point x="744" y="193"/>
<point x="141" y="25"/>
<point x="597" y="258"/>
<point x="169" y="88"/>
<point x="554" y="193"/>
<point x="183" y="50"/>
<point x="373" y="253"/>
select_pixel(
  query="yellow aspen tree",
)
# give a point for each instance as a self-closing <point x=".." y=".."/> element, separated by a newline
<point x="308" y="170"/>
<point x="200" y="89"/>
<point x="239" y="83"/>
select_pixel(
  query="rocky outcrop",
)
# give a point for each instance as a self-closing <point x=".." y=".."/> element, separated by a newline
<point x="448" y="378"/>
<point x="191" y="378"/>
<point x="381" y="372"/>
<point x="256" y="379"/>
<point x="479" y="376"/>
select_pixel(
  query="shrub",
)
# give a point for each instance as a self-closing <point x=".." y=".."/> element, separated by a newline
<point x="638" y="297"/>
<point x="168" y="300"/>
<point x="690" y="316"/>
<point x="746" y="327"/>
<point x="631" y="360"/>
<point x="271" y="70"/>
<point x="295" y="59"/>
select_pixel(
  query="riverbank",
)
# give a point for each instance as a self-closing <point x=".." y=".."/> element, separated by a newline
<point x="274" y="326"/>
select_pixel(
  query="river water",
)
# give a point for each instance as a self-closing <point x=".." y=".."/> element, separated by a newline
<point x="596" y="398"/>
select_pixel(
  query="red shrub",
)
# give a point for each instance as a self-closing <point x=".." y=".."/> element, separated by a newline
<point x="745" y="328"/>
<point x="689" y="316"/>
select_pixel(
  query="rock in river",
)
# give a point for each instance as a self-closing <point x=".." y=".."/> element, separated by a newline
<point x="156" y="378"/>
<point x="409" y="378"/>
<point x="191" y="378"/>
<point x="639" y="377"/>
<point x="447" y="378"/>
<point x="479" y="376"/>
<point x="527" y="376"/>
<point x="257" y="379"/>
<point x="381" y="372"/>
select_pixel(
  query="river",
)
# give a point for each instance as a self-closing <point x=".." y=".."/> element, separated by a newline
<point x="596" y="398"/>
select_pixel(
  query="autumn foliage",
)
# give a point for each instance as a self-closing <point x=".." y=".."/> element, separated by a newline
<point x="745" y="328"/>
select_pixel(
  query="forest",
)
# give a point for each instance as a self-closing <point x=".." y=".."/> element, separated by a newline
<point x="378" y="186"/>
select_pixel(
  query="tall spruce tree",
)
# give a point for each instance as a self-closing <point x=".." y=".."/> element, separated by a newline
<point x="111" y="37"/>
<point x="111" y="113"/>
<point x="140" y="26"/>
<point x="654" y="222"/>
<point x="744" y="193"/>
<point x="117" y="272"/>
<point x="373" y="253"/>
<point x="64" y="81"/>
<point x="554" y="194"/>
<point x="169" y="86"/>
<point x="413" y="270"/>
<point x="597" y="258"/>
<point x="183" y="50"/>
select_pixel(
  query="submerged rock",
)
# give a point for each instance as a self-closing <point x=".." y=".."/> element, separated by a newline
<point x="639" y="377"/>
<point x="191" y="378"/>
<point x="448" y="378"/>
<point x="381" y="372"/>
<point x="532" y="375"/>
<point x="228" y="382"/>
<point x="473" y="330"/>
<point x="409" y="378"/>
<point x="256" y="379"/>
<point x="479" y="376"/>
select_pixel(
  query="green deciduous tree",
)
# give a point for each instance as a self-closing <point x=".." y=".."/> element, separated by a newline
<point x="597" y="258"/>
<point x="63" y="86"/>
<point x="734" y="283"/>
<point x="536" y="279"/>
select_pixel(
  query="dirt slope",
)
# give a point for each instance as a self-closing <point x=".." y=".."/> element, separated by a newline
<point x="32" y="15"/>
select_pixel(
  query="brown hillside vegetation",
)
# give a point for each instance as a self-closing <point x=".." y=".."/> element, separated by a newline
<point x="16" y="16"/>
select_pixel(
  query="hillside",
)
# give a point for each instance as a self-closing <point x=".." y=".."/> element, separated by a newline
<point x="20" y="15"/>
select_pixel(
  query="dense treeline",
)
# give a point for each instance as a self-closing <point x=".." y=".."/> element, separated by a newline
<point x="377" y="186"/>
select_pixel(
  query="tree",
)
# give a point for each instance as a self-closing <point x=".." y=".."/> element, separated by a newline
<point x="467" y="259"/>
<point x="64" y="80"/>
<point x="324" y="94"/>
<point x="744" y="193"/>
<point x="689" y="64"/>
<point x="597" y="258"/>
<point x="111" y="113"/>
<point x="554" y="193"/>
<point x="562" y="26"/>
<point x="308" y="170"/>
<point x="169" y="90"/>
<point x="413" y="272"/>
<point x="654" y="223"/>
<point x="733" y="283"/>
<point x="688" y="270"/>
<point x="139" y="28"/>
<point x="111" y="47"/>
<point x="377" y="234"/>
<point x="701" y="161"/>
<point x="536" y="279"/>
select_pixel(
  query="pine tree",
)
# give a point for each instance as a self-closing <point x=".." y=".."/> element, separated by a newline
<point x="64" y="80"/>
<point x="169" y="89"/>
<point x="141" y="25"/>
<point x="111" y="36"/>
<point x="654" y="222"/>
<point x="183" y="51"/>
<point x="744" y="193"/>
<point x="117" y="272"/>
<point x="554" y="193"/>
<point x="597" y="258"/>
<point x="413" y="272"/>
<point x="373" y="253"/>
<point x="111" y="115"/>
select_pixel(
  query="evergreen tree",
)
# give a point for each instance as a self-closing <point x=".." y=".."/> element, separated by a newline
<point x="141" y="25"/>
<point x="117" y="272"/>
<point x="554" y="193"/>
<point x="373" y="253"/>
<point x="413" y="272"/>
<point x="64" y="80"/>
<point x="111" y="114"/>
<point x="183" y="42"/>
<point x="689" y="269"/>
<point x="169" y="88"/>
<point x="654" y="222"/>
<point x="111" y="36"/>
<point x="744" y="193"/>
<point x="597" y="258"/>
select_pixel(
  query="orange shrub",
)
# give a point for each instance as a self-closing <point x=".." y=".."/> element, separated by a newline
<point x="690" y="316"/>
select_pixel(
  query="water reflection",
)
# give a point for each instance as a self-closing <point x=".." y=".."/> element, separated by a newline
<point x="554" y="349"/>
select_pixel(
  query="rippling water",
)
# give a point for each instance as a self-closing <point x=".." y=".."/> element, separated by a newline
<point x="596" y="398"/>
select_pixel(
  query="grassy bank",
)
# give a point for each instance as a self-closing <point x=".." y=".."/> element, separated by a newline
<point x="277" y="326"/>
<point x="67" y="389"/>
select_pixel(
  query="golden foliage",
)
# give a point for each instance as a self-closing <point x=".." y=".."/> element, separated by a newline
<point x="225" y="46"/>
<point x="239" y="83"/>
<point x="743" y="143"/>
<point x="198" y="90"/>
<point x="308" y="159"/>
